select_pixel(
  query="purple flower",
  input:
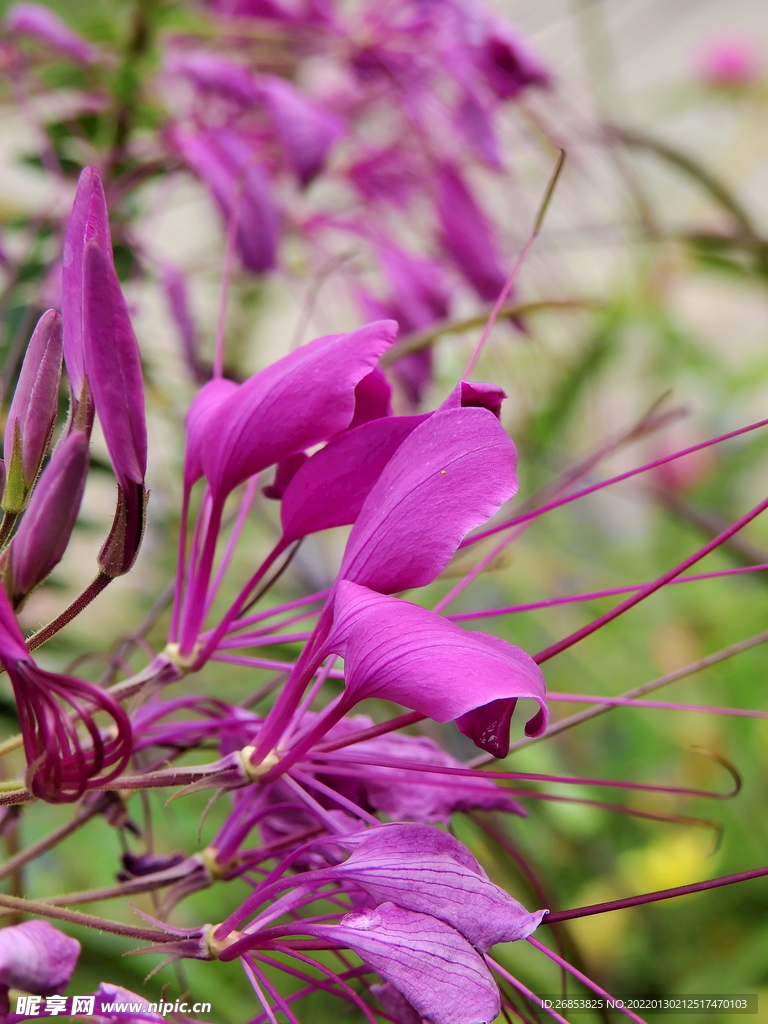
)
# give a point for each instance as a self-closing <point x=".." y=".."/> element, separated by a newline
<point x="213" y="73"/>
<point x="398" y="651"/>
<point x="32" y="415"/>
<point x="61" y="765"/>
<point x="228" y="165"/>
<point x="45" y="530"/>
<point x="29" y="19"/>
<point x="35" y="957"/>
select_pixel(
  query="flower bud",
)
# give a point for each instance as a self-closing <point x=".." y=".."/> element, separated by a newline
<point x="33" y="412"/>
<point x="28" y="19"/>
<point x="47" y="525"/>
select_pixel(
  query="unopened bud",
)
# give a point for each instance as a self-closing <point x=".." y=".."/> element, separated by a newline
<point x="32" y="414"/>
<point x="47" y="525"/>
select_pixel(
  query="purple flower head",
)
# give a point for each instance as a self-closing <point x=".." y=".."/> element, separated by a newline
<point x="61" y="764"/>
<point x="450" y="474"/>
<point x="468" y="236"/>
<point x="35" y="957"/>
<point x="32" y="415"/>
<point x="41" y="23"/>
<point x="88" y="220"/>
<point x="305" y="129"/>
<point x="398" y="651"/>
<point x="427" y="961"/>
<point x="225" y="161"/>
<point x="306" y="397"/>
<point x="45" y="530"/>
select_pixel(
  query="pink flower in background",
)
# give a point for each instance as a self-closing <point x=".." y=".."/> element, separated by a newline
<point x="729" y="62"/>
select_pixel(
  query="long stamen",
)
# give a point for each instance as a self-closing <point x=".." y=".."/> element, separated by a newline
<point x="650" y="588"/>
<point x="654" y="897"/>
<point x="559" y="502"/>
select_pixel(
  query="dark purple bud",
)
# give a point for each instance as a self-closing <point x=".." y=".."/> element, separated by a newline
<point x="508" y="64"/>
<point x="32" y="415"/>
<point x="147" y="864"/>
<point x="46" y="527"/>
<point x="36" y="957"/>
<point x="29" y="19"/>
<point x="216" y="74"/>
<point x="88" y="219"/>
<point x="175" y="289"/>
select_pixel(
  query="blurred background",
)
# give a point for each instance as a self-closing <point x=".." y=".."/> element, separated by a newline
<point x="638" y="325"/>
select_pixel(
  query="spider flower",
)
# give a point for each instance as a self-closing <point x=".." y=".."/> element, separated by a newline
<point x="41" y="23"/>
<point x="62" y="764"/>
<point x="43" y="535"/>
<point x="32" y="415"/>
<point x="398" y="651"/>
<point x="37" y="958"/>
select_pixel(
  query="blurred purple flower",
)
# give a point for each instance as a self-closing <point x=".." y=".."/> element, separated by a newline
<point x="35" y="957"/>
<point x="228" y="165"/>
<point x="43" y="24"/>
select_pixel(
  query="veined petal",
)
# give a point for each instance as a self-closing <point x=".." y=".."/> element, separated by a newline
<point x="429" y="962"/>
<point x="452" y="473"/>
<point x="420" y="868"/>
<point x="398" y="651"/>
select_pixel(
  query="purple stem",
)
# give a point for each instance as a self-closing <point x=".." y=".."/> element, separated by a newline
<point x="579" y="698"/>
<point x="653" y="897"/>
<point x="650" y="588"/>
<point x="595" y="595"/>
<point x="416" y="766"/>
<point x="582" y="977"/>
<point x="535" y="513"/>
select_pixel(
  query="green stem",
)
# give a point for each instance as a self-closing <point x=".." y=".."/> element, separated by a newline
<point x="86" y="920"/>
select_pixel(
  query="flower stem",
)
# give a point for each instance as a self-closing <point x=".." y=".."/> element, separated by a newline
<point x="653" y="897"/>
<point x="80" y="603"/>
<point x="86" y="920"/>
